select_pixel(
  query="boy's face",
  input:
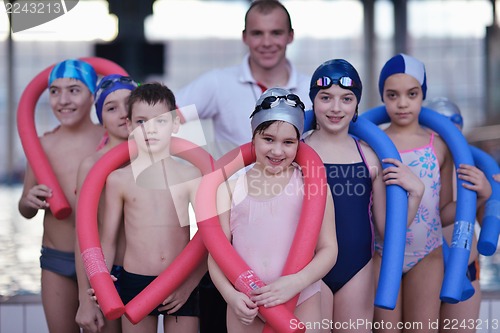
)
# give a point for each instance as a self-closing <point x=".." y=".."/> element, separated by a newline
<point x="403" y="98"/>
<point x="70" y="100"/>
<point x="114" y="113"/>
<point x="152" y="127"/>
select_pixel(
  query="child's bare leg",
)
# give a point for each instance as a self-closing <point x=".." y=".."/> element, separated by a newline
<point x="309" y="313"/>
<point x="112" y="326"/>
<point x="148" y="325"/>
<point x="421" y="287"/>
<point x="465" y="312"/>
<point x="390" y="318"/>
<point x="354" y="301"/>
<point x="60" y="302"/>
<point x="326" y="305"/>
<point x="187" y="324"/>
<point x="235" y="326"/>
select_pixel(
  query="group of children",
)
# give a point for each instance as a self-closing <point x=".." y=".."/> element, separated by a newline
<point x="144" y="222"/>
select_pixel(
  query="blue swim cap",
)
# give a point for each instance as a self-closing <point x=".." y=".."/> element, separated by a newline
<point x="75" y="69"/>
<point x="336" y="71"/>
<point x="403" y="64"/>
<point x="107" y="85"/>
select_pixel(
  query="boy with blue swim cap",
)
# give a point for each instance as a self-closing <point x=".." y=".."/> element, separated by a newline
<point x="71" y="85"/>
<point x="75" y="69"/>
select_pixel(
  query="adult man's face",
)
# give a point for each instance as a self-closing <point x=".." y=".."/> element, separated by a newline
<point x="267" y="36"/>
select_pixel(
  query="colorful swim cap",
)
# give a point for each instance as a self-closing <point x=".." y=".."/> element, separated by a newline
<point x="106" y="86"/>
<point x="75" y="69"/>
<point x="339" y="72"/>
<point x="447" y="108"/>
<point x="278" y="104"/>
<point x="403" y="64"/>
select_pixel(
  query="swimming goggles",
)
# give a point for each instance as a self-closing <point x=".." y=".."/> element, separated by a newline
<point x="326" y="82"/>
<point x="110" y="83"/>
<point x="273" y="101"/>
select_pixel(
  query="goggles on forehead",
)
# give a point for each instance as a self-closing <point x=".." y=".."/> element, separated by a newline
<point x="273" y="101"/>
<point x="110" y="83"/>
<point x="457" y="119"/>
<point x="326" y="82"/>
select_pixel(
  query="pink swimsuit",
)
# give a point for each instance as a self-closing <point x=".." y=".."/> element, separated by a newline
<point x="424" y="234"/>
<point x="263" y="229"/>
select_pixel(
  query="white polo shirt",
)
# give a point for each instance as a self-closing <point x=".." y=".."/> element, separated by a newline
<point x="228" y="96"/>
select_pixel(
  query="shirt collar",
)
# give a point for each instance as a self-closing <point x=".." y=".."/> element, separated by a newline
<point x="245" y="75"/>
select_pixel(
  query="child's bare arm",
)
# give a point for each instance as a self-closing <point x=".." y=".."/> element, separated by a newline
<point x="475" y="180"/>
<point x="401" y="175"/>
<point x="447" y="204"/>
<point x="379" y="194"/>
<point x="113" y="217"/>
<point x="286" y="287"/>
<point x="89" y="316"/>
<point x="34" y="195"/>
<point x="244" y="308"/>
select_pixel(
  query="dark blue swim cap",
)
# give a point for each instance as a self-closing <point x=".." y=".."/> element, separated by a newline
<point x="106" y="86"/>
<point x="336" y="71"/>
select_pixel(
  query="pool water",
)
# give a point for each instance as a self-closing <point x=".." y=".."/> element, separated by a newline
<point x="20" y="241"/>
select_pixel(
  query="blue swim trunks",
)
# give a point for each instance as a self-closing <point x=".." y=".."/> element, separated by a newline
<point x="59" y="262"/>
<point x="116" y="271"/>
<point x="132" y="284"/>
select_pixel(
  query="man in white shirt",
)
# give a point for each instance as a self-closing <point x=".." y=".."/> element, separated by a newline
<point x="228" y="95"/>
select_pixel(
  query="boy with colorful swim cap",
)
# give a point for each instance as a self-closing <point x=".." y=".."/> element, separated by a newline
<point x="71" y="87"/>
<point x="110" y="97"/>
<point x="357" y="184"/>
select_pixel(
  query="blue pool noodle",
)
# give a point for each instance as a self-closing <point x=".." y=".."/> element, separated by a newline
<point x="468" y="289"/>
<point x="490" y="228"/>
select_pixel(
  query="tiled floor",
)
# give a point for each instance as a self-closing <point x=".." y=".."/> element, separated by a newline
<point x="24" y="314"/>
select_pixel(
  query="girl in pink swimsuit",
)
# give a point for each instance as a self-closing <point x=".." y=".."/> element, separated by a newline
<point x="403" y="86"/>
<point x="260" y="213"/>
